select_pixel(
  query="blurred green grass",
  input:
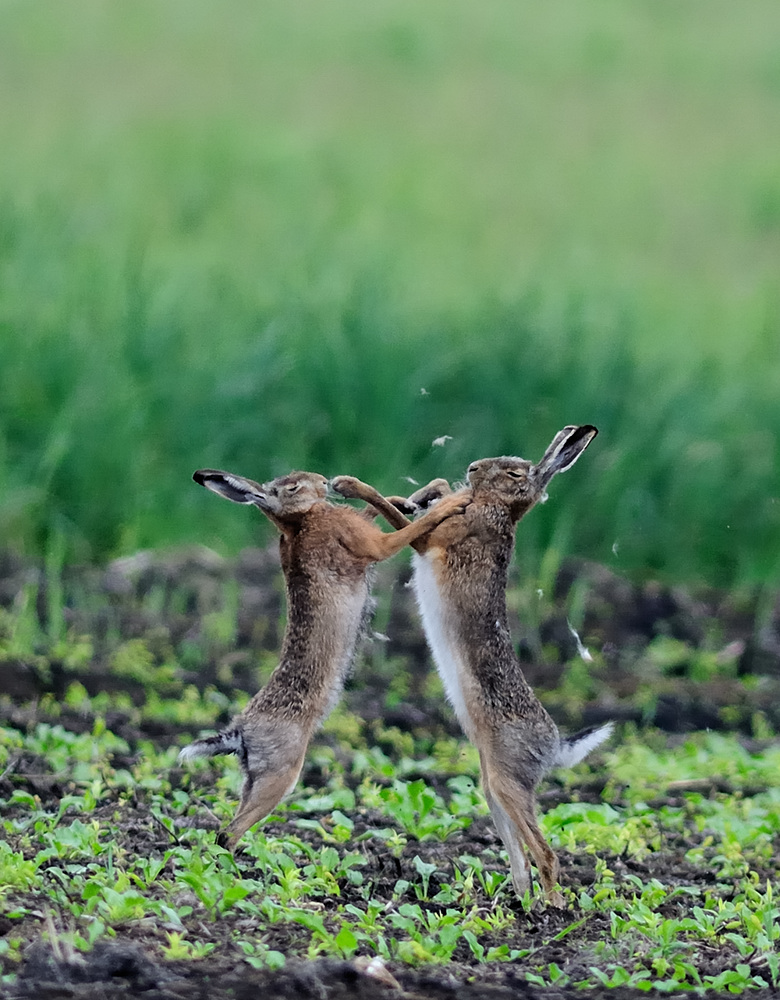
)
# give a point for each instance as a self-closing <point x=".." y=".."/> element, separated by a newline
<point x="250" y="237"/>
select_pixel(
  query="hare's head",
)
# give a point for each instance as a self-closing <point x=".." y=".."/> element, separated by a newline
<point x="286" y="496"/>
<point x="520" y="484"/>
<point x="506" y="480"/>
<point x="297" y="492"/>
<point x="506" y="475"/>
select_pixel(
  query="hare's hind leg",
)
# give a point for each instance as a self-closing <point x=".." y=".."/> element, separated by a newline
<point x="516" y="810"/>
<point x="509" y="834"/>
<point x="262" y="792"/>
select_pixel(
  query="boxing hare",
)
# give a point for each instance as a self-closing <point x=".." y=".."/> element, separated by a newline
<point x="326" y="551"/>
<point x="460" y="578"/>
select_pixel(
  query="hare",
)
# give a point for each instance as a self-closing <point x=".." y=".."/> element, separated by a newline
<point x="460" y="577"/>
<point x="326" y="552"/>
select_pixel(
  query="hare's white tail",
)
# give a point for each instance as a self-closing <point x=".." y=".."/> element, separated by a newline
<point x="575" y="748"/>
<point x="228" y="741"/>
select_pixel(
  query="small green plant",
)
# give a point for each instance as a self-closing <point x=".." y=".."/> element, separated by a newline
<point x="417" y="809"/>
<point x="179" y="947"/>
<point x="15" y="871"/>
<point x="132" y="847"/>
<point x="260" y="956"/>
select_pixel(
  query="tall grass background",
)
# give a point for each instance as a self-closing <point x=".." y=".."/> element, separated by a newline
<point x="286" y="235"/>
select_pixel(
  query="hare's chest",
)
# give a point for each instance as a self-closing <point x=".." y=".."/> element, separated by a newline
<point x="442" y="637"/>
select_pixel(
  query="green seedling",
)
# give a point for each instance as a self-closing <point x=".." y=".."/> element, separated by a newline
<point x="473" y="870"/>
<point x="260" y="956"/>
<point x="306" y="873"/>
<point x="179" y="948"/>
<point x="15" y="871"/>
<point x="429" y="937"/>
<point x="417" y="809"/>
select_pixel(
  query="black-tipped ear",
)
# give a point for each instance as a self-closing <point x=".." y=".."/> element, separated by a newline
<point x="564" y="450"/>
<point x="231" y="487"/>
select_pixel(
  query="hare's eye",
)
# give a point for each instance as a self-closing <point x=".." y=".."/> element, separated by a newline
<point x="292" y="488"/>
<point x="515" y="475"/>
<point x="471" y="468"/>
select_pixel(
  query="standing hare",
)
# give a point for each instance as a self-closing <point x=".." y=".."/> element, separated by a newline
<point x="326" y="552"/>
<point x="460" y="578"/>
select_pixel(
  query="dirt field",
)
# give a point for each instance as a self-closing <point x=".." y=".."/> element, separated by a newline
<point x="669" y="659"/>
<point x="126" y="966"/>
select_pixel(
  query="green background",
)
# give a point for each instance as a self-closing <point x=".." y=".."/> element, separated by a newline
<point x="298" y="234"/>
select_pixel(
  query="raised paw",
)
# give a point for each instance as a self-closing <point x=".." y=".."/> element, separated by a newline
<point x="404" y="505"/>
<point x="347" y="486"/>
<point x="453" y="503"/>
<point x="426" y="495"/>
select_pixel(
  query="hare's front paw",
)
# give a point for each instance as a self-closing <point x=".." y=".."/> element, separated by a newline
<point x="455" y="503"/>
<point x="346" y="486"/>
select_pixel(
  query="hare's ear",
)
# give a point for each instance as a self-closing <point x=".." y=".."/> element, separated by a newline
<point x="564" y="450"/>
<point x="231" y="487"/>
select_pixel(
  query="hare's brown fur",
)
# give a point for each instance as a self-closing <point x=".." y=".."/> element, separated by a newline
<point x="326" y="552"/>
<point x="460" y="579"/>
